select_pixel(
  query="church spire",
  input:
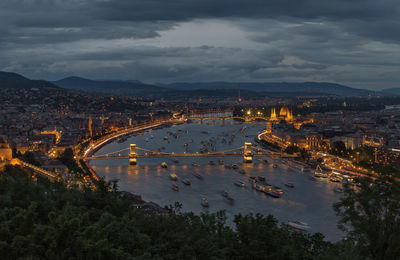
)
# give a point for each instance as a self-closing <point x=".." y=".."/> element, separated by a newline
<point x="90" y="126"/>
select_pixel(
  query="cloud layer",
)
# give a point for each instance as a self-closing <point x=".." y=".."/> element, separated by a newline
<point x="350" y="42"/>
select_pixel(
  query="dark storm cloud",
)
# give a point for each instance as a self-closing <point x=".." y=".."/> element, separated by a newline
<point x="354" y="42"/>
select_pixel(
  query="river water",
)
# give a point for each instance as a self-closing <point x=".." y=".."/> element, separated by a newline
<point x="309" y="201"/>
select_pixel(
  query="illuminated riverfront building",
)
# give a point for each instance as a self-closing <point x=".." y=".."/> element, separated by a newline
<point x="285" y="114"/>
<point x="5" y="152"/>
<point x="285" y="130"/>
<point x="90" y="123"/>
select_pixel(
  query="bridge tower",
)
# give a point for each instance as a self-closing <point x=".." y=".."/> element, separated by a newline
<point x="247" y="153"/>
<point x="132" y="155"/>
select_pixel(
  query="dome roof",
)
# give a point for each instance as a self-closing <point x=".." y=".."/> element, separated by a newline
<point x="284" y="111"/>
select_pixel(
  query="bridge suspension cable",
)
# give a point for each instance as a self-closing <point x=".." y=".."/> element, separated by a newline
<point x="150" y="151"/>
<point x="111" y="153"/>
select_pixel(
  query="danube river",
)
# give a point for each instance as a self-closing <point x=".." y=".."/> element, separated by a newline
<point x="309" y="201"/>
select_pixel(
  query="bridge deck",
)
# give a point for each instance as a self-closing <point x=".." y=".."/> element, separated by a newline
<point x="185" y="155"/>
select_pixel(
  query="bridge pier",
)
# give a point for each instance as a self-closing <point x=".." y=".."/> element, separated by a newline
<point x="247" y="153"/>
<point x="133" y="155"/>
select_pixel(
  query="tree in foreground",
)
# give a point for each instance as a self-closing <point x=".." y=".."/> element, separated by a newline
<point x="44" y="220"/>
<point x="371" y="216"/>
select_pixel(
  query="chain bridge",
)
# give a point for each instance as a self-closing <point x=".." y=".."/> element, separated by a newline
<point x="223" y="118"/>
<point x="247" y="151"/>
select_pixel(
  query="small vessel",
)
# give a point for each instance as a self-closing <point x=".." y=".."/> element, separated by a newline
<point x="278" y="190"/>
<point x="319" y="173"/>
<point x="252" y="179"/>
<point x="338" y="190"/>
<point x="275" y="165"/>
<point x="272" y="192"/>
<point x="234" y="166"/>
<point x="240" y="184"/>
<point x="186" y="181"/>
<point x="336" y="179"/>
<point x="165" y="137"/>
<point x="261" y="178"/>
<point x="228" y="198"/>
<point x="198" y="176"/>
<point x="164" y="165"/>
<point x="265" y="161"/>
<point x="211" y="163"/>
<point x="173" y="176"/>
<point x="289" y="184"/>
<point x="220" y="161"/>
<point x="241" y="171"/>
<point x="204" y="202"/>
<point x="195" y="164"/>
<point x="298" y="225"/>
<point x="312" y="178"/>
<point x="175" y="186"/>
<point x="175" y="160"/>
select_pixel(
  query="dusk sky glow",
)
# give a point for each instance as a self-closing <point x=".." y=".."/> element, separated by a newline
<point x="356" y="43"/>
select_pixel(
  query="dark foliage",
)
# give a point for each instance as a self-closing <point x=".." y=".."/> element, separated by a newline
<point x="44" y="220"/>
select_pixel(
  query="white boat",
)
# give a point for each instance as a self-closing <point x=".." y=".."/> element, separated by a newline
<point x="298" y="225"/>
<point x="320" y="173"/>
<point x="240" y="184"/>
<point x="204" y="202"/>
<point x="186" y="181"/>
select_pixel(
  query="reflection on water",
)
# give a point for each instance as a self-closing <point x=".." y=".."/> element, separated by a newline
<point x="308" y="201"/>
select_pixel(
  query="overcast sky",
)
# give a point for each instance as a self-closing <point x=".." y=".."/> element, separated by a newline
<point x="352" y="42"/>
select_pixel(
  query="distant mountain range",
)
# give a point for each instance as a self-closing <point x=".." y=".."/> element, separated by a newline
<point x="277" y="87"/>
<point x="132" y="87"/>
<point x="14" y="80"/>
<point x="135" y="87"/>
<point x="392" y="91"/>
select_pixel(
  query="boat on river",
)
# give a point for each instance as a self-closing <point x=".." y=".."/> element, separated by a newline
<point x="252" y="180"/>
<point x="220" y="161"/>
<point x="164" y="165"/>
<point x="271" y="191"/>
<point x="186" y="181"/>
<point x="298" y="225"/>
<point x="227" y="197"/>
<point x="198" y="175"/>
<point x="173" y="176"/>
<point x="204" y="202"/>
<point x="234" y="166"/>
<point x="175" y="186"/>
<point x="289" y="185"/>
<point x="240" y="184"/>
<point x="319" y="173"/>
<point x="261" y="178"/>
<point x="195" y="164"/>
<point x="336" y="178"/>
<point x="241" y="171"/>
<point x="174" y="160"/>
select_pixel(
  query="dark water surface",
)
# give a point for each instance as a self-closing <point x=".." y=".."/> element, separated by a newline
<point x="308" y="201"/>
